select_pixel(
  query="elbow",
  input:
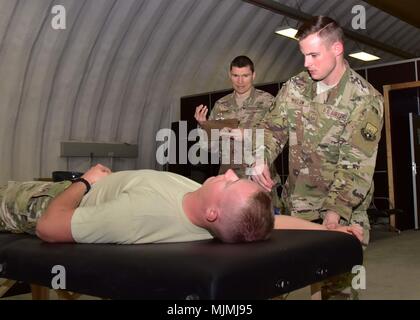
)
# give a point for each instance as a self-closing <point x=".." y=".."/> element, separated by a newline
<point x="52" y="229"/>
<point x="43" y="232"/>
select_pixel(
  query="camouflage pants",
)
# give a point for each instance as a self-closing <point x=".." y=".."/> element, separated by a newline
<point x="340" y="287"/>
<point x="22" y="203"/>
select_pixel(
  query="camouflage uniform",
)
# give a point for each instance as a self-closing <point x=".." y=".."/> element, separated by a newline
<point x="249" y="115"/>
<point x="22" y="203"/>
<point x="333" y="141"/>
<point x="253" y="110"/>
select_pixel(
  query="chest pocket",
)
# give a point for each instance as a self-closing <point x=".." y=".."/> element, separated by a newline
<point x="251" y="116"/>
<point x="320" y="125"/>
<point x="333" y="123"/>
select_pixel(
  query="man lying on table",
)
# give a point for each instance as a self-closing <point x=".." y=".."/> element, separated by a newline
<point x="144" y="206"/>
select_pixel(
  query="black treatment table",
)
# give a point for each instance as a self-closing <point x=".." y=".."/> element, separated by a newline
<point x="208" y="269"/>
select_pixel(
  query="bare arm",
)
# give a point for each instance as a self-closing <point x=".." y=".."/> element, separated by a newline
<point x="288" y="222"/>
<point x="55" y="223"/>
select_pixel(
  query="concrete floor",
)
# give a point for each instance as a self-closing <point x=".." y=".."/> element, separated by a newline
<point x="393" y="267"/>
<point x="392" y="263"/>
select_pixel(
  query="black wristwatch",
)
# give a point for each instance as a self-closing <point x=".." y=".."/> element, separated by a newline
<point x="87" y="184"/>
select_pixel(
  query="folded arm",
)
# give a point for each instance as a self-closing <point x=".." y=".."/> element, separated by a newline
<point x="55" y="223"/>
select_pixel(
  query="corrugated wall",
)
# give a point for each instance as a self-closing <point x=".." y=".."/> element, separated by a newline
<point x="117" y="72"/>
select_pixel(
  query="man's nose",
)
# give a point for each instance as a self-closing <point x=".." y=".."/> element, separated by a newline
<point x="307" y="62"/>
<point x="231" y="175"/>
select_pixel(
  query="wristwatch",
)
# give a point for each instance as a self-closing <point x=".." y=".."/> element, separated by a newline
<point x="87" y="184"/>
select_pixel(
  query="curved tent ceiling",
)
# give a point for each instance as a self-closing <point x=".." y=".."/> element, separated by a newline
<point x="118" y="70"/>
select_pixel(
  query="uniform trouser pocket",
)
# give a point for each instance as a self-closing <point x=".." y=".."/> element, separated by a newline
<point x="22" y="204"/>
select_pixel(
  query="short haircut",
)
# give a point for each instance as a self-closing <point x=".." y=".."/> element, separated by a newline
<point x="327" y="29"/>
<point x="254" y="221"/>
<point x="241" y="62"/>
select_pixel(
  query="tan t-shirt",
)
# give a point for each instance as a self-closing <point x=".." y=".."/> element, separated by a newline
<point x="143" y="206"/>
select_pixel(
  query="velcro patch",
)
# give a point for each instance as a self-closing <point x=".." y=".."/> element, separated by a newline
<point x="369" y="132"/>
<point x="340" y="116"/>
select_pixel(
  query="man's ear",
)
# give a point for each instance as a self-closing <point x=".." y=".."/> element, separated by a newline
<point x="212" y="214"/>
<point x="338" y="48"/>
<point x="253" y="76"/>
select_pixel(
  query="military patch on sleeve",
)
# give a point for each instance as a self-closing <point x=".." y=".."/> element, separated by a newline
<point x="369" y="132"/>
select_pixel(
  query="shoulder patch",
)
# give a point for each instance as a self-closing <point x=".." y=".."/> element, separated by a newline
<point x="369" y="132"/>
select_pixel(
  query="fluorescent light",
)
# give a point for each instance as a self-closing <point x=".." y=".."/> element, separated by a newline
<point x="287" y="32"/>
<point x="364" y="56"/>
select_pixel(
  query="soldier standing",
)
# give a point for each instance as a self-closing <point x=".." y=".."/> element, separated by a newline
<point x="332" y="119"/>
<point x="245" y="103"/>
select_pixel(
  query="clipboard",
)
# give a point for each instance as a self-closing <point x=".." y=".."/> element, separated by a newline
<point x="220" y="124"/>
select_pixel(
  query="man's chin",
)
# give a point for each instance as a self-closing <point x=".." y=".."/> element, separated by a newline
<point x="242" y="90"/>
<point x="314" y="76"/>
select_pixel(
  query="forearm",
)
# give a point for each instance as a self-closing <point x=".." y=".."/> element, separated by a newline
<point x="274" y="142"/>
<point x="352" y="178"/>
<point x="288" y="222"/>
<point x="55" y="223"/>
<point x="68" y="200"/>
<point x="348" y="191"/>
<point x="269" y="138"/>
<point x="356" y="164"/>
<point x="292" y="223"/>
<point x="276" y="128"/>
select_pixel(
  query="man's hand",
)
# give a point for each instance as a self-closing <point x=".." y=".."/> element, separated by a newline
<point x="331" y="220"/>
<point x="354" y="229"/>
<point x="96" y="173"/>
<point x="261" y="175"/>
<point x="201" y="113"/>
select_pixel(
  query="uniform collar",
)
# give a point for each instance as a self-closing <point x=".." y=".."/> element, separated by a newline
<point x="310" y="90"/>
<point x="249" y="101"/>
